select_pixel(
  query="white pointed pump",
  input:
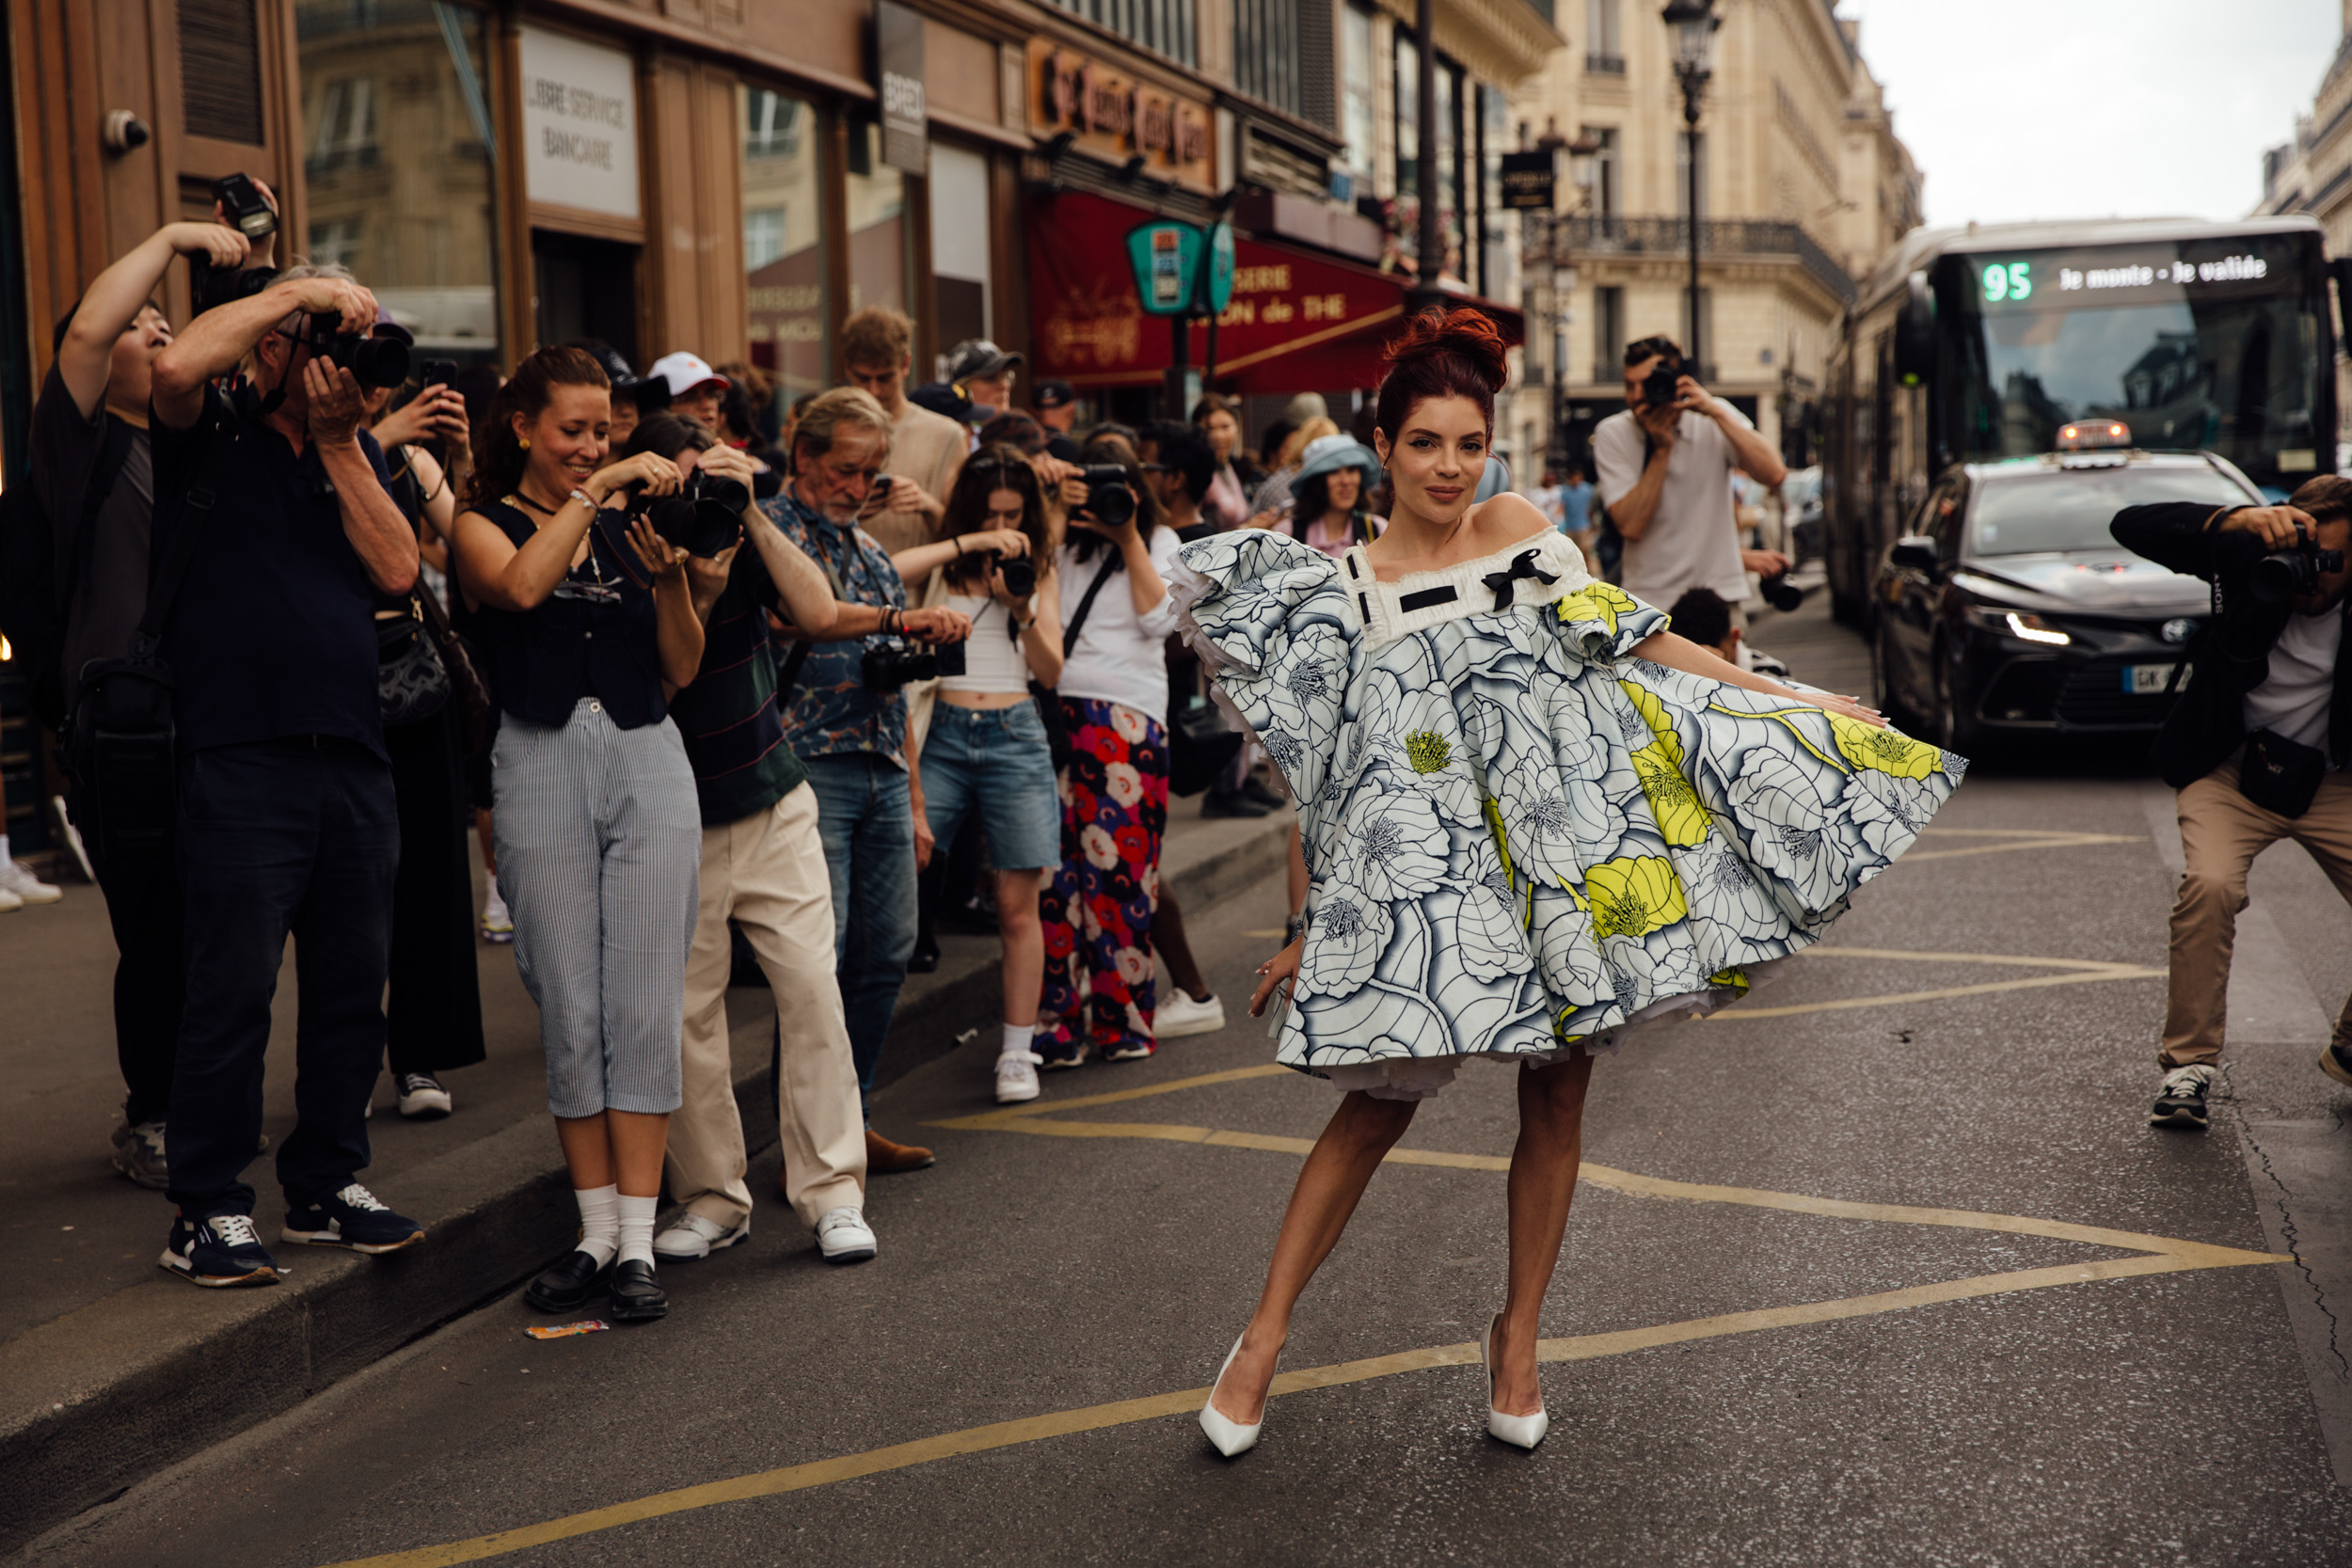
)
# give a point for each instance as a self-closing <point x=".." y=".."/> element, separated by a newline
<point x="1230" y="1436"/>
<point x="1520" y="1431"/>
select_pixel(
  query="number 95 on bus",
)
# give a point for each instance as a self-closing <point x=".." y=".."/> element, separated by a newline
<point x="2007" y="280"/>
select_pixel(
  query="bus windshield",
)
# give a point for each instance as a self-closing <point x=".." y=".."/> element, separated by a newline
<point x="2069" y="509"/>
<point x="2211" y="344"/>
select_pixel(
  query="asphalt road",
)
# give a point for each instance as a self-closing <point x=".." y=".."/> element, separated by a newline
<point x="1902" y="1281"/>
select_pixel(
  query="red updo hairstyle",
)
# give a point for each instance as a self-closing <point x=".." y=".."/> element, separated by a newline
<point x="1442" y="353"/>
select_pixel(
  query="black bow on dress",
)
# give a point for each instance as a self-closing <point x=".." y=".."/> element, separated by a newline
<point x="1522" y="565"/>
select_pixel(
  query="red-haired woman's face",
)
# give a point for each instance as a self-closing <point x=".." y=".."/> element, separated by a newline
<point x="1438" y="457"/>
<point x="568" y="438"/>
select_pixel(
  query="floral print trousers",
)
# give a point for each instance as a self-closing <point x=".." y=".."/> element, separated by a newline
<point x="1097" y="910"/>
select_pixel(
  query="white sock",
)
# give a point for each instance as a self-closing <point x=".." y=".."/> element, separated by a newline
<point x="637" y="1227"/>
<point x="4" y="848"/>
<point x="1017" y="1037"/>
<point x="600" y="1221"/>
<point x="490" y="895"/>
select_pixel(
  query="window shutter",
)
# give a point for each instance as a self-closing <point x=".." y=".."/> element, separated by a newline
<point x="220" y="69"/>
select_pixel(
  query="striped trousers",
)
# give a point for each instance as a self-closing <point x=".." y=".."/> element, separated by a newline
<point x="599" y="846"/>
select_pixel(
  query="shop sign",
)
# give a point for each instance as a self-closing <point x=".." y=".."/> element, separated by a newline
<point x="1116" y="117"/>
<point x="1530" y="180"/>
<point x="898" y="63"/>
<point x="580" y="124"/>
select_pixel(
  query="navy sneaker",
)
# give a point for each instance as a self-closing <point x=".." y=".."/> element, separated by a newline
<point x="217" y="1250"/>
<point x="352" y="1219"/>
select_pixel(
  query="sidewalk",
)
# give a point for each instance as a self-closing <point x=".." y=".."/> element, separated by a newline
<point x="109" y="1370"/>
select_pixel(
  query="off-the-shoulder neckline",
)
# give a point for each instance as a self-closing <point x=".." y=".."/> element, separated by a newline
<point x="1528" y="541"/>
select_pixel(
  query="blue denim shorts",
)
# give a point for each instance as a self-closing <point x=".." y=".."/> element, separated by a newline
<point x="995" y="762"/>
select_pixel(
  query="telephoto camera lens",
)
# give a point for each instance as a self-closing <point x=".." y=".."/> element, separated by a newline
<point x="1110" y="499"/>
<point x="375" y="361"/>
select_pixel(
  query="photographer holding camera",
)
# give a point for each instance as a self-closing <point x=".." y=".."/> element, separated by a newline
<point x="2257" y="743"/>
<point x="93" y="476"/>
<point x="845" y="718"/>
<point x="276" y="526"/>
<point x="585" y="620"/>
<point x="763" y="869"/>
<point x="1664" y="468"/>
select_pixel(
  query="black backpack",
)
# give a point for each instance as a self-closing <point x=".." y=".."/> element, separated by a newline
<point x="35" y="589"/>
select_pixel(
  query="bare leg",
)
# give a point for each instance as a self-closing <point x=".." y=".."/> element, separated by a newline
<point x="489" y="842"/>
<point x="1025" y="943"/>
<point x="1543" y="1180"/>
<point x="1168" y="935"/>
<point x="1361" y="1133"/>
<point x="614" y="1149"/>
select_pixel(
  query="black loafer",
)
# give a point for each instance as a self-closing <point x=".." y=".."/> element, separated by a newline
<point x="637" y="1297"/>
<point x="567" y="1285"/>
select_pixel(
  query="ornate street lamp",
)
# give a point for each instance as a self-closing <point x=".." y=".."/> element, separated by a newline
<point x="1693" y="22"/>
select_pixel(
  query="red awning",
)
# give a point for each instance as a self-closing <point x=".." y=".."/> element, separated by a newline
<point x="1298" y="321"/>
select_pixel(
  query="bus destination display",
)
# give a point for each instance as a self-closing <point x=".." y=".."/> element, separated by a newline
<point x="2114" y="274"/>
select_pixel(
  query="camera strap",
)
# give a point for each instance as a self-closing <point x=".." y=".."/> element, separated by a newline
<point x="179" y="554"/>
<point x="1086" y="606"/>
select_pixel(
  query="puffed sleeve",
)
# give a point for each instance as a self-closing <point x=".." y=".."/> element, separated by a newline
<point x="1603" y="623"/>
<point x="1270" y="622"/>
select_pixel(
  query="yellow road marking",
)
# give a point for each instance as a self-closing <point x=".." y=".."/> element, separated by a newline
<point x="2020" y="838"/>
<point x="2152" y="1255"/>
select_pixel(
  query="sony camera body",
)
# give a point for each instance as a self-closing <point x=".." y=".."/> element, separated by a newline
<point x="888" y="666"/>
<point x="2292" y="574"/>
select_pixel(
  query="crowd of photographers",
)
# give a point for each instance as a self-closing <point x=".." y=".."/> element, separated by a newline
<point x="714" y="683"/>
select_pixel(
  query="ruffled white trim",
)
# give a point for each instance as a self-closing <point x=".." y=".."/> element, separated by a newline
<point x="1186" y="588"/>
<point x="1423" y="1077"/>
<point x="1380" y="605"/>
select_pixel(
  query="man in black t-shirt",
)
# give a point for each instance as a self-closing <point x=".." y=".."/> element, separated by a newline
<point x="92" y="469"/>
<point x="286" y="812"/>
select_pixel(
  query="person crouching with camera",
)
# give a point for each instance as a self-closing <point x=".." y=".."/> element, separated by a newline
<point x="987" y="750"/>
<point x="846" y="718"/>
<point x="763" y="870"/>
<point x="272" y="528"/>
<point x="2257" y="743"/>
<point x="587" y="621"/>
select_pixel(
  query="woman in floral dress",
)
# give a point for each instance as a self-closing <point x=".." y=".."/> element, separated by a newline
<point x="1536" y="821"/>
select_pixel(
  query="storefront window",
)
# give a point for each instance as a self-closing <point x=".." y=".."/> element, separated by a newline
<point x="783" y="239"/>
<point x="1356" y="114"/>
<point x="398" y="158"/>
<point x="878" y="224"/>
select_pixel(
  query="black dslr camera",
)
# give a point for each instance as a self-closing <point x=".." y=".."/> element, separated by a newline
<point x="2291" y="574"/>
<point x="891" y="665"/>
<point x="375" y="362"/>
<point x="1781" y="593"/>
<point x="1658" y="388"/>
<point x="1020" y="575"/>
<point x="703" y="517"/>
<point x="1110" y="500"/>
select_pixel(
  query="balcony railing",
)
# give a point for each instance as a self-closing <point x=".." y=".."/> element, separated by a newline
<point x="1604" y="65"/>
<point x="1580" y="237"/>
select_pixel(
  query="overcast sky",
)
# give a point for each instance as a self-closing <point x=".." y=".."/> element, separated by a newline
<point x="2019" y="109"/>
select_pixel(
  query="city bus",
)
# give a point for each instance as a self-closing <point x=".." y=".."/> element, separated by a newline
<point x="1974" y="346"/>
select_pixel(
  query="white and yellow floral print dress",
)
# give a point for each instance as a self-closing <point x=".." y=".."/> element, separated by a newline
<point x="1521" y="837"/>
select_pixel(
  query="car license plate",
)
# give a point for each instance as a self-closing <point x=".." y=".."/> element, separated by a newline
<point x="2142" y="679"/>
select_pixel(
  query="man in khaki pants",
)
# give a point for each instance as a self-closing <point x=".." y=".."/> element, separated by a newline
<point x="763" y="866"/>
<point x="2257" y="745"/>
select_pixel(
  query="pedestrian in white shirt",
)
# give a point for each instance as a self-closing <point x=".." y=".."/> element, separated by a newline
<point x="1665" y="476"/>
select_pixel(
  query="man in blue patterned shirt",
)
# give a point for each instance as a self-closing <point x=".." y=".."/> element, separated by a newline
<point x="852" y="732"/>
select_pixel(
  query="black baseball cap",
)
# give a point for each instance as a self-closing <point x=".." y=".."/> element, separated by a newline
<point x="1053" y="395"/>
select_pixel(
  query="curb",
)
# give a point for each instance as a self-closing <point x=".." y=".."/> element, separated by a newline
<point x="95" y="1400"/>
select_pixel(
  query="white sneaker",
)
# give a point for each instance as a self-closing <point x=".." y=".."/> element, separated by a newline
<point x="496" y="924"/>
<point x="9" y="901"/>
<point x="1016" y="1077"/>
<point x="1179" y="1014"/>
<point x="18" y="879"/>
<point x="422" y="1097"/>
<point x="692" y="1235"/>
<point x="844" y="1236"/>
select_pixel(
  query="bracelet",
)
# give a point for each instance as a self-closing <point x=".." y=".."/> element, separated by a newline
<point x="958" y="547"/>
<point x="583" y="497"/>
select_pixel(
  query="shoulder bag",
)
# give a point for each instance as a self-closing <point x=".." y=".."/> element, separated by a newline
<point x="411" y="683"/>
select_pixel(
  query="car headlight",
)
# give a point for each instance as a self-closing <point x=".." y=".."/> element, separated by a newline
<point x="2024" y="627"/>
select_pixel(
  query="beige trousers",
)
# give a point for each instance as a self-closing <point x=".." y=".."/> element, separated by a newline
<point x="2222" y="833"/>
<point x="768" y="874"/>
